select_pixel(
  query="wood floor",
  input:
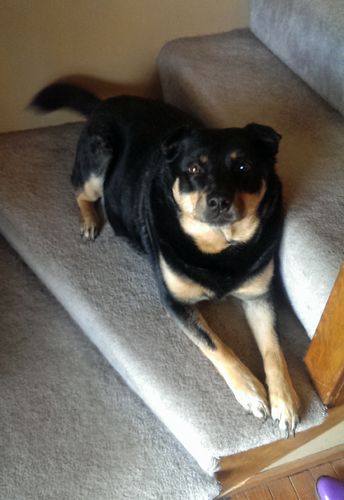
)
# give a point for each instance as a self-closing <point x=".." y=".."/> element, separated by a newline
<point x="297" y="486"/>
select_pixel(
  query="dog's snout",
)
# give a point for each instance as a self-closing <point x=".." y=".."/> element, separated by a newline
<point x="219" y="204"/>
<point x="221" y="209"/>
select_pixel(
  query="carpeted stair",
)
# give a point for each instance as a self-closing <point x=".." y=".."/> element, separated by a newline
<point x="70" y="427"/>
<point x="108" y="289"/>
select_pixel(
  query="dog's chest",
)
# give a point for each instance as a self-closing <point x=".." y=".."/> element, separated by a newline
<point x="189" y="291"/>
<point x="183" y="288"/>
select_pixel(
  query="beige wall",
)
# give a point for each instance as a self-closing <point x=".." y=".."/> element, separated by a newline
<point x="113" y="40"/>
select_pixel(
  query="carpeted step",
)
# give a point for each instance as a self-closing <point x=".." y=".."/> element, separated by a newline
<point x="232" y="79"/>
<point x="110" y="292"/>
<point x="70" y="427"/>
<point x="308" y="36"/>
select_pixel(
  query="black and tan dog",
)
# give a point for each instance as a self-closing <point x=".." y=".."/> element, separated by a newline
<point x="205" y="205"/>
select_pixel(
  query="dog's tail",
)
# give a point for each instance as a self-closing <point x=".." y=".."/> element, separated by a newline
<point x="65" y="95"/>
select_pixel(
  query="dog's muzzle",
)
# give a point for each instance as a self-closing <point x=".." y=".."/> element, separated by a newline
<point x="220" y="210"/>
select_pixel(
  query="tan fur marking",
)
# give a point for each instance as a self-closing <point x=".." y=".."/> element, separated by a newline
<point x="87" y="210"/>
<point x="186" y="201"/>
<point x="234" y="155"/>
<point x="207" y="238"/>
<point x="213" y="239"/>
<point x="92" y="191"/>
<point x="93" y="188"/>
<point x="283" y="398"/>
<point x="182" y="288"/>
<point x="251" y="200"/>
<point x="247" y="389"/>
<point x="258" y="285"/>
<point x="245" y="228"/>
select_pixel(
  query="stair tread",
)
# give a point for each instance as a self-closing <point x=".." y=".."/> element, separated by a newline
<point x="109" y="291"/>
<point x="70" y="427"/>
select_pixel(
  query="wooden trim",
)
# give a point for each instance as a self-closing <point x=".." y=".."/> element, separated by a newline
<point x="237" y="470"/>
<point x="325" y="356"/>
<point x="294" y="467"/>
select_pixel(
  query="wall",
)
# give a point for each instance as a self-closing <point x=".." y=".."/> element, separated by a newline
<point x="114" y="40"/>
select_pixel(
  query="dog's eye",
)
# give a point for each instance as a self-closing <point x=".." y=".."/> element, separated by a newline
<point x="243" y="167"/>
<point x="194" y="169"/>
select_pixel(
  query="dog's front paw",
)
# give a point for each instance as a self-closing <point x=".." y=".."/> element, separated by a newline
<point x="251" y="394"/>
<point x="285" y="406"/>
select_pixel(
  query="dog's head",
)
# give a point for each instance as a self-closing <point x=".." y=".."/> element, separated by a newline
<point x="220" y="175"/>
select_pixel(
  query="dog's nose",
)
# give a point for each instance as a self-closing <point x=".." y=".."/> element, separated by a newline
<point x="219" y="204"/>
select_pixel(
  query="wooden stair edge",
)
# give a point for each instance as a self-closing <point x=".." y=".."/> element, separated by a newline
<point x="328" y="377"/>
<point x="243" y="468"/>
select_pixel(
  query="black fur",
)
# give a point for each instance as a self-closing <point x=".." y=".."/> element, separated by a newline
<point x="64" y="95"/>
<point x="140" y="146"/>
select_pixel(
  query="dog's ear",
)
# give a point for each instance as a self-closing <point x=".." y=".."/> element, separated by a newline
<point x="172" y="145"/>
<point x="267" y="136"/>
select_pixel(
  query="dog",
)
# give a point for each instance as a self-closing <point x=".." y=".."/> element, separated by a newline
<point x="205" y="205"/>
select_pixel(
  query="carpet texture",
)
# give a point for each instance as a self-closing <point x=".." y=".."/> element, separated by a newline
<point x="230" y="80"/>
<point x="70" y="428"/>
<point x="308" y="36"/>
<point x="110" y="292"/>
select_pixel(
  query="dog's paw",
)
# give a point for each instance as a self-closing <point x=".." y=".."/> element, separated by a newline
<point x="251" y="394"/>
<point x="285" y="406"/>
<point x="89" y="229"/>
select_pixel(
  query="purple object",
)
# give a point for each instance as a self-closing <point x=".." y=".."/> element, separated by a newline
<point x="329" y="488"/>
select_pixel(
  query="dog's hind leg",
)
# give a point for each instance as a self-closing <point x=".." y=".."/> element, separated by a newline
<point x="93" y="157"/>
<point x="86" y="198"/>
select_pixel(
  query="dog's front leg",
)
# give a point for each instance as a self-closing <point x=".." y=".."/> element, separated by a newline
<point x="284" y="401"/>
<point x="247" y="389"/>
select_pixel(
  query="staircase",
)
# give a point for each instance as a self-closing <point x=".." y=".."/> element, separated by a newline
<point x="108" y="289"/>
